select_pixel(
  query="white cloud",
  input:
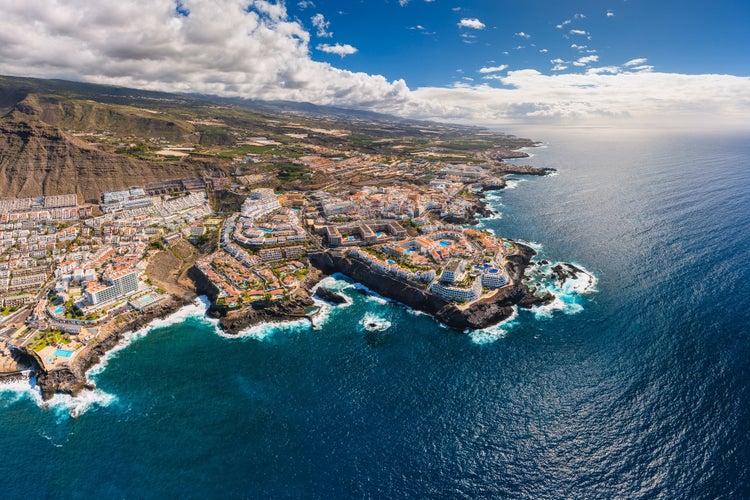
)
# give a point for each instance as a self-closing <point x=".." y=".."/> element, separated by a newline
<point x="303" y="4"/>
<point x="543" y="51"/>
<point x="610" y="13"/>
<point x="471" y="23"/>
<point x="337" y="48"/>
<point x="650" y="99"/>
<point x="636" y="62"/>
<point x="578" y="32"/>
<point x="493" y="69"/>
<point x="568" y="21"/>
<point x="252" y="49"/>
<point x="586" y="60"/>
<point x="523" y="35"/>
<point x="321" y="25"/>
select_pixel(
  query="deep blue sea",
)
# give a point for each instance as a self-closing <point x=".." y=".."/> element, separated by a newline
<point x="639" y="388"/>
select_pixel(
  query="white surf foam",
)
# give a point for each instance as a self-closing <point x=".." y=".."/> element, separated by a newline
<point x="568" y="293"/>
<point x="513" y="183"/>
<point x="494" y="333"/>
<point x="264" y="331"/>
<point x="372" y="295"/>
<point x="374" y="323"/>
<point x="66" y="406"/>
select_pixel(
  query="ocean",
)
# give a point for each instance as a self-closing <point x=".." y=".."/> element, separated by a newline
<point x="636" y="388"/>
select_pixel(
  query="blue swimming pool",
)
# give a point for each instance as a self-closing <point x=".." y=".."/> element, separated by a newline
<point x="59" y="310"/>
<point x="63" y="353"/>
<point x="391" y="262"/>
<point x="445" y="243"/>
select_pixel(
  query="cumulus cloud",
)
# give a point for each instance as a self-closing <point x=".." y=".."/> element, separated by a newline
<point x="610" y="13"/>
<point x="225" y="47"/>
<point x="321" y="25"/>
<point x="578" y="32"/>
<point x="252" y="49"/>
<point x="568" y="21"/>
<point x="636" y="62"/>
<point x="583" y="61"/>
<point x="641" y="98"/>
<point x="471" y="23"/>
<point x="523" y="35"/>
<point x="493" y="69"/>
<point x="338" y="49"/>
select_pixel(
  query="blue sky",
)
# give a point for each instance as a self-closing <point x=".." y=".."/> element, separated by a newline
<point x="493" y="62"/>
<point x="422" y="42"/>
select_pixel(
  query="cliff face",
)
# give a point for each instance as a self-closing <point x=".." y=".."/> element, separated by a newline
<point x="480" y="314"/>
<point x="39" y="159"/>
<point x="72" y="380"/>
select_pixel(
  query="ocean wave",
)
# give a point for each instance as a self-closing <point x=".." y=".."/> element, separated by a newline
<point x="513" y="183"/>
<point x="537" y="247"/>
<point x="265" y="331"/>
<point x="372" y="295"/>
<point x="374" y="323"/>
<point x="197" y="309"/>
<point x="568" y="292"/>
<point x="66" y="406"/>
<point x="63" y="406"/>
<point x="494" y="333"/>
<point x="336" y="282"/>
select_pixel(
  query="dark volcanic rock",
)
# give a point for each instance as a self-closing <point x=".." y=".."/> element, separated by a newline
<point x="329" y="296"/>
<point x="480" y="314"/>
<point x="233" y="321"/>
<point x="72" y="380"/>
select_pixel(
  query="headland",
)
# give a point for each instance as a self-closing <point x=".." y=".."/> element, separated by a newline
<point x="274" y="202"/>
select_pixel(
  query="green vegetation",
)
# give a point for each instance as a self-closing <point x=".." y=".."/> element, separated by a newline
<point x="290" y="171"/>
<point x="156" y="244"/>
<point x="6" y="311"/>
<point x="139" y="151"/>
<point x="43" y="339"/>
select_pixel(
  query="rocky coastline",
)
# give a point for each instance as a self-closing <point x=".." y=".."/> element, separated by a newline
<point x="72" y="379"/>
<point x="490" y="310"/>
<point x="486" y="312"/>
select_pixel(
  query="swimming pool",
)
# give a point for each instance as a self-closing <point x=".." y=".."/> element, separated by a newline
<point x="445" y="243"/>
<point x="59" y="310"/>
<point x="63" y="353"/>
<point x="391" y="262"/>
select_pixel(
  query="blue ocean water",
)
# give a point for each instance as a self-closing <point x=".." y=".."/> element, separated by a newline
<point x="637" y="390"/>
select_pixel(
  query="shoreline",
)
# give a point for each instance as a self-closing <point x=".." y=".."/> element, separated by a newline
<point x="73" y="379"/>
<point x="486" y="312"/>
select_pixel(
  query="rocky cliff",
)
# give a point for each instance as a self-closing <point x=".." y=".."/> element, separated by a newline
<point x="73" y="380"/>
<point x="39" y="159"/>
<point x="480" y="314"/>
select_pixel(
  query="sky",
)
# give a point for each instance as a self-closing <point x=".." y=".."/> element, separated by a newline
<point x="494" y="63"/>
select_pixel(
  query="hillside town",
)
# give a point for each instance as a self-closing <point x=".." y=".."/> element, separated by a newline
<point x="70" y="269"/>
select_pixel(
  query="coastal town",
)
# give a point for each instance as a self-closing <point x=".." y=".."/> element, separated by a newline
<point x="268" y="204"/>
<point x="71" y="271"/>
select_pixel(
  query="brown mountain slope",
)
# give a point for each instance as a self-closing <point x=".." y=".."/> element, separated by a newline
<point x="88" y="116"/>
<point x="39" y="159"/>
